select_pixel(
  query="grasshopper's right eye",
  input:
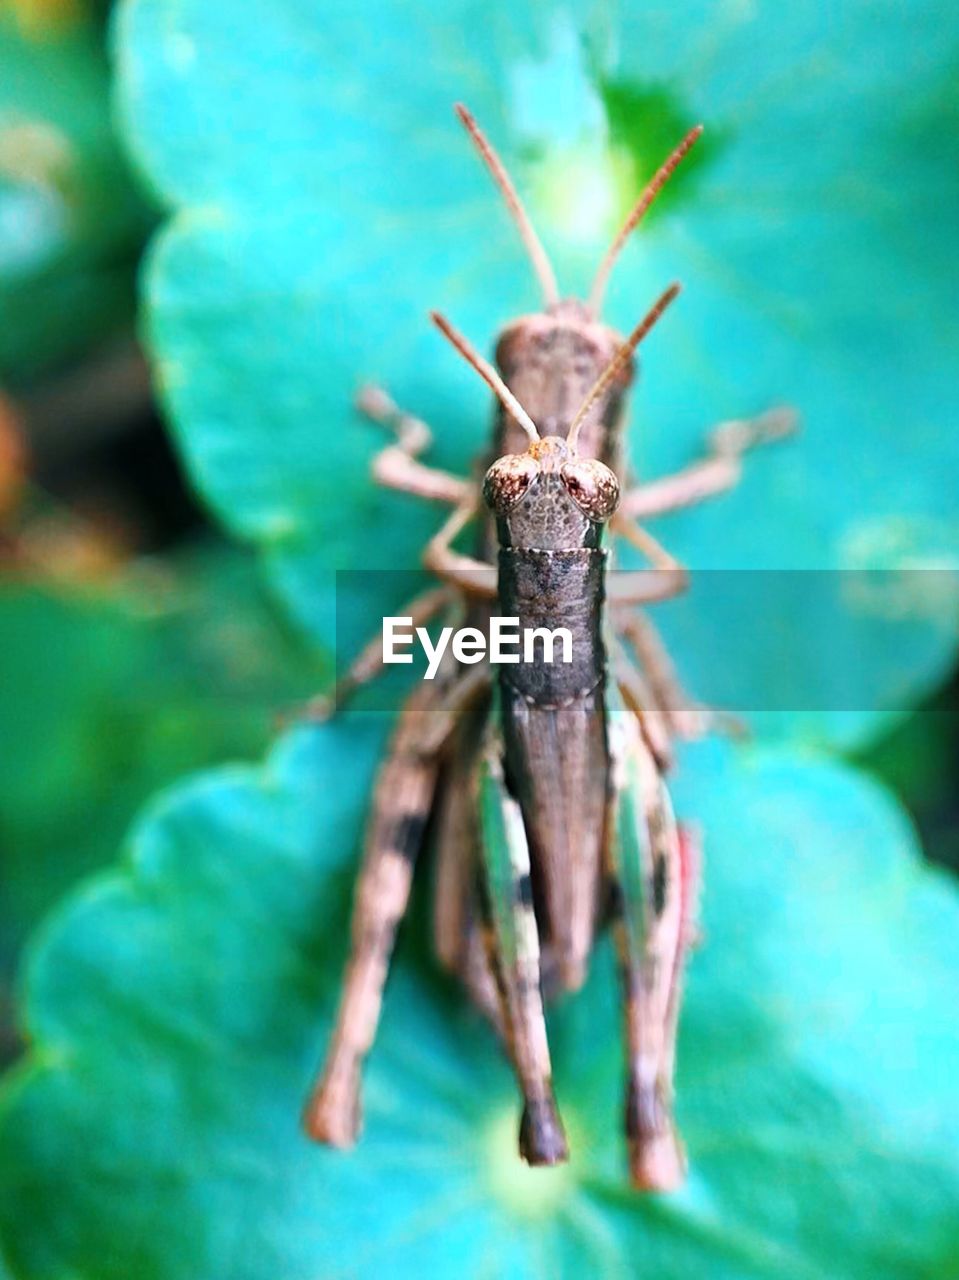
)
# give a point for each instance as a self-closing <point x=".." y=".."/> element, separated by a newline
<point x="592" y="486"/>
<point x="507" y="480"/>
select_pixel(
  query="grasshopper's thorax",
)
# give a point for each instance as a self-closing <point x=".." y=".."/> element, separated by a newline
<point x="550" y="360"/>
<point x="550" y="508"/>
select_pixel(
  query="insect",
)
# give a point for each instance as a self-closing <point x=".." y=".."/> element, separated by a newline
<point x="449" y="754"/>
<point x="574" y="812"/>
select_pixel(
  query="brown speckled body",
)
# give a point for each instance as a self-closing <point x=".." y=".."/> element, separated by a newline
<point x="556" y="755"/>
<point x="551" y="570"/>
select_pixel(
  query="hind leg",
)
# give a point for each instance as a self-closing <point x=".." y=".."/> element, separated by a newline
<point x="458" y="931"/>
<point x="516" y="958"/>
<point x="402" y="802"/>
<point x="462" y="937"/>
<point x="651" y="895"/>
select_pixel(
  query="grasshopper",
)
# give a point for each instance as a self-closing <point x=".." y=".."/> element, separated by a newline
<point x="451" y="758"/>
<point x="573" y="807"/>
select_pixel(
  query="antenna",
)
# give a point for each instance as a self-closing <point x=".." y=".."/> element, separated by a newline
<point x="541" y="264"/>
<point x="618" y="360"/>
<point x="652" y="190"/>
<point x="487" y="373"/>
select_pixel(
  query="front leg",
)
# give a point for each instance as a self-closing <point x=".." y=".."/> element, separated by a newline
<point x="397" y="465"/>
<point x="718" y="472"/>
<point x="516" y="960"/>
<point x="649" y="873"/>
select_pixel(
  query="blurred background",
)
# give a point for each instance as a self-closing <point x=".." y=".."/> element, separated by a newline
<point x="136" y="642"/>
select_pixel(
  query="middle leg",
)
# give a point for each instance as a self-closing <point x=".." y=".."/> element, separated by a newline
<point x="668" y="577"/>
<point x="368" y="663"/>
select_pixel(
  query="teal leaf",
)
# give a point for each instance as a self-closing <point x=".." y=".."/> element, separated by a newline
<point x="72" y="219"/>
<point x="319" y="212"/>
<point x="178" y="1005"/>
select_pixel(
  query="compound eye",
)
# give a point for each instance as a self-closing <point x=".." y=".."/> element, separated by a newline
<point x="592" y="486"/>
<point x="507" y="481"/>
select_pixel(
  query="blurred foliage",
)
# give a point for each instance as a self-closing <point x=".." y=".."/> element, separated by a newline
<point x="44" y="17"/>
<point x="919" y="760"/>
<point x="177" y="1007"/>
<point x="72" y="218"/>
<point x="115" y="690"/>
<point x="314" y="228"/>
<point x="13" y="464"/>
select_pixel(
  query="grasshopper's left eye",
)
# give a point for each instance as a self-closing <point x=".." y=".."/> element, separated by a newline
<point x="507" y="480"/>
<point x="592" y="486"/>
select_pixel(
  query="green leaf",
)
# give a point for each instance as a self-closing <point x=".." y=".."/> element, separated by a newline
<point x="320" y="211"/>
<point x="917" y="762"/>
<point x="179" y="1005"/>
<point x="167" y="670"/>
<point x="71" y="217"/>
